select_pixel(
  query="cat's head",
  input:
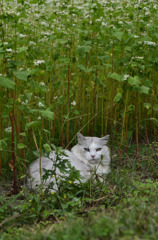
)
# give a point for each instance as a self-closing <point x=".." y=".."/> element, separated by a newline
<point x="93" y="148"/>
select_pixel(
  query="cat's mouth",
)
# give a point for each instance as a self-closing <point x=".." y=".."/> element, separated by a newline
<point x="93" y="161"/>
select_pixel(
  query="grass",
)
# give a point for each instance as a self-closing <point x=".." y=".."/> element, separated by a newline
<point x="126" y="207"/>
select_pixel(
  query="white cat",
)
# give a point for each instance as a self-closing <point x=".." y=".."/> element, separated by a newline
<point x="90" y="156"/>
<point x="93" y="152"/>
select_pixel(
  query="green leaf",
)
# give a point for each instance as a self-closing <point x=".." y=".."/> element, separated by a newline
<point x="87" y="70"/>
<point x="64" y="60"/>
<point x="6" y="82"/>
<point x="115" y="76"/>
<point x="155" y="107"/>
<point x="23" y="75"/>
<point x="23" y="134"/>
<point x="36" y="153"/>
<point x="3" y="144"/>
<point x="22" y="49"/>
<point x="47" y="148"/>
<point x="31" y="124"/>
<point x="2" y="50"/>
<point x="143" y="89"/>
<point x="147" y="105"/>
<point x="128" y="48"/>
<point x="131" y="108"/>
<point x="76" y="112"/>
<point x="118" y="35"/>
<point x="134" y="81"/>
<point x="61" y="100"/>
<point x="47" y="114"/>
<point x="21" y="146"/>
<point x="117" y="97"/>
<point x="154" y="120"/>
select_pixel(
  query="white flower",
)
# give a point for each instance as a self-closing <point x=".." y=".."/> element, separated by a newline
<point x="42" y="83"/>
<point x="5" y="43"/>
<point x="147" y="13"/>
<point x="104" y="24"/>
<point x="73" y="103"/>
<point x="45" y="39"/>
<point x="22" y="35"/>
<point x="135" y="36"/>
<point x="25" y="102"/>
<point x="47" y="33"/>
<point x="44" y="24"/>
<point x="137" y="57"/>
<point x="125" y="77"/>
<point x="39" y="118"/>
<point x="8" y="130"/>
<point x="146" y="9"/>
<point x="9" y="50"/>
<point x="55" y="97"/>
<point x="38" y="62"/>
<point x="98" y="20"/>
<point x="31" y="43"/>
<point x="150" y="43"/>
<point x="40" y="104"/>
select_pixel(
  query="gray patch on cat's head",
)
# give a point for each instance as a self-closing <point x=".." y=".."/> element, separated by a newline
<point x="105" y="139"/>
<point x="89" y="140"/>
<point x="80" y="138"/>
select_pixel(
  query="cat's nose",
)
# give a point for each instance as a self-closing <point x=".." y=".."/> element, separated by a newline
<point x="93" y="156"/>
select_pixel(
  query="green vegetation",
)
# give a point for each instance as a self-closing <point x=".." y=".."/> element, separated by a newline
<point x="126" y="208"/>
<point x="88" y="66"/>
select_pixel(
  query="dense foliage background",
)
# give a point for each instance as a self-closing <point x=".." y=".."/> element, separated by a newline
<point x="69" y="66"/>
<point x="91" y="66"/>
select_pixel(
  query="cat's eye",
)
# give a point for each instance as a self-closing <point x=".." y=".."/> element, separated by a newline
<point x="98" y="149"/>
<point x="86" y="149"/>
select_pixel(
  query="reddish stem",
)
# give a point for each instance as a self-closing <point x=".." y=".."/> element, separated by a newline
<point x="13" y="159"/>
<point x="17" y="131"/>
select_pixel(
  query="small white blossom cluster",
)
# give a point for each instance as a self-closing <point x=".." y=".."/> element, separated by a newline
<point x="31" y="43"/>
<point x="11" y="13"/>
<point x="22" y="35"/>
<point x="44" y="39"/>
<point x="73" y="103"/>
<point x="42" y="84"/>
<point x="45" y="24"/>
<point x="125" y="77"/>
<point x="40" y="104"/>
<point x="9" y="50"/>
<point x="8" y="130"/>
<point x="47" y="33"/>
<point x="150" y="43"/>
<point x="25" y="102"/>
<point x="38" y="62"/>
<point x="137" y="57"/>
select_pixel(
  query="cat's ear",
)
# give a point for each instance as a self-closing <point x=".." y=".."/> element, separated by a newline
<point x="80" y="138"/>
<point x="105" y="139"/>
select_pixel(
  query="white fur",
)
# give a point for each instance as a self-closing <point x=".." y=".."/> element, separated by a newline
<point x="99" y="163"/>
<point x="95" y="160"/>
